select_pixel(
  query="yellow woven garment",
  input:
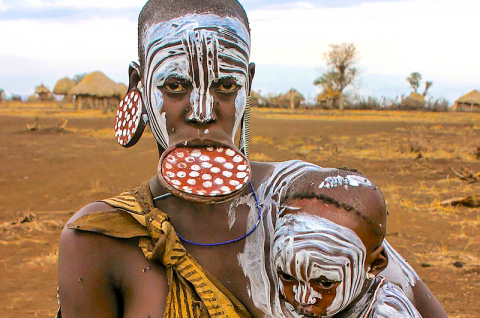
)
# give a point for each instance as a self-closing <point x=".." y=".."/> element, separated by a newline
<point x="193" y="292"/>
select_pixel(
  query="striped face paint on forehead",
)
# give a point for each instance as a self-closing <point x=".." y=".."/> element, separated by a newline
<point x="310" y="248"/>
<point x="199" y="49"/>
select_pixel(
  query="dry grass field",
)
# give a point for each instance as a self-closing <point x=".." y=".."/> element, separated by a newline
<point x="52" y="173"/>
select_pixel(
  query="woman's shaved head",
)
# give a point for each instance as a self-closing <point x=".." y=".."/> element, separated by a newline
<point x="156" y="11"/>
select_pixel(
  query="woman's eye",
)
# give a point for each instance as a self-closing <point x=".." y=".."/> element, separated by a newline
<point x="326" y="284"/>
<point x="175" y="88"/>
<point x="227" y="87"/>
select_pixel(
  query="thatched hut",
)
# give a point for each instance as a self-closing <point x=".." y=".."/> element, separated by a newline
<point x="291" y="99"/>
<point x="256" y="100"/>
<point x="123" y="89"/>
<point x="32" y="98"/>
<point x="42" y="92"/>
<point x="63" y="86"/>
<point x="468" y="103"/>
<point x="97" y="91"/>
<point x="414" y="101"/>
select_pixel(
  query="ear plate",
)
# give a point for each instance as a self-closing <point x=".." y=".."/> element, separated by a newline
<point x="129" y="124"/>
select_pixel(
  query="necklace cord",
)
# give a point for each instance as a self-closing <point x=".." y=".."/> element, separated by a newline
<point x="229" y="241"/>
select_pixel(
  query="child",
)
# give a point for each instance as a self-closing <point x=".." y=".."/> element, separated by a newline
<point x="328" y="249"/>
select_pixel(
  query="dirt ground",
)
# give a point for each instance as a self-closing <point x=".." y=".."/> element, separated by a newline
<point x="53" y="173"/>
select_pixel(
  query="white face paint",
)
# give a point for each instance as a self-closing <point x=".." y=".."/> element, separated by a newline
<point x="308" y="248"/>
<point x="200" y="49"/>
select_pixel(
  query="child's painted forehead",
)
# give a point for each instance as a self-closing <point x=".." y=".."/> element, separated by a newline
<point x="301" y="223"/>
<point x="229" y="28"/>
<point x="326" y="211"/>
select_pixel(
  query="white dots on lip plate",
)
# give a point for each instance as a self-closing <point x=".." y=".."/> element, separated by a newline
<point x="227" y="174"/>
<point x="206" y="165"/>
<point x="237" y="159"/>
<point x="194" y="174"/>
<point x="225" y="189"/>
<point x="206" y="176"/>
<point x="220" y="159"/>
<point x="181" y="174"/>
<point x="196" y="153"/>
<point x="241" y="175"/>
<point x="207" y="184"/>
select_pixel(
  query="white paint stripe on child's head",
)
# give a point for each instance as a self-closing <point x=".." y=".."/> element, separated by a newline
<point x="315" y="247"/>
<point x="350" y="180"/>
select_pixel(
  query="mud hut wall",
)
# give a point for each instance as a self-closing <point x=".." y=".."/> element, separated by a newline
<point x="43" y="97"/>
<point x="98" y="103"/>
<point x="468" y="107"/>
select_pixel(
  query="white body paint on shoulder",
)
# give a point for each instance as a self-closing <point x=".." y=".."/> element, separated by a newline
<point x="399" y="271"/>
<point x="392" y="302"/>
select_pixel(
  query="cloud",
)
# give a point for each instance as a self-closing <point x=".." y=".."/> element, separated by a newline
<point x="74" y="4"/>
<point x="3" y="6"/>
<point x="48" y="39"/>
<point x="433" y="37"/>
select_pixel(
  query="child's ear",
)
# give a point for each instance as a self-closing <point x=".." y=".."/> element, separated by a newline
<point x="379" y="261"/>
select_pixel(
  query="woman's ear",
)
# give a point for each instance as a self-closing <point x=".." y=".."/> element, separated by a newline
<point x="134" y="76"/>
<point x="251" y="75"/>
<point x="379" y="261"/>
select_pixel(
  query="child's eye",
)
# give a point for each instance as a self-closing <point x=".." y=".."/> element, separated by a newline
<point x="286" y="277"/>
<point x="227" y="87"/>
<point x="175" y="88"/>
<point x="326" y="284"/>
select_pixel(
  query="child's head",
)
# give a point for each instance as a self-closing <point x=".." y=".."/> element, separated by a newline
<point x="328" y="241"/>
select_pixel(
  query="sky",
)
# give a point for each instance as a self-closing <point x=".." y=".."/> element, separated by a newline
<point x="44" y="40"/>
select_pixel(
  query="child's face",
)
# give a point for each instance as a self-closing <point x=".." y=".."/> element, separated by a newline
<point x="319" y="258"/>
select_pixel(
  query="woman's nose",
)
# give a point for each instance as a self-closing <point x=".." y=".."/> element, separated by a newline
<point x="201" y="103"/>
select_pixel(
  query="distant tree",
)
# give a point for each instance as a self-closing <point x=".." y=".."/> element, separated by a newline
<point x="415" y="81"/>
<point x="341" y="60"/>
<point x="428" y="84"/>
<point x="78" y="77"/>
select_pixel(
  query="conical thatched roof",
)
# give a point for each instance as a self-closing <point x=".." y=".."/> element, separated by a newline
<point x="471" y="98"/>
<point x="41" y="89"/>
<point x="254" y="94"/>
<point x="123" y="89"/>
<point x="97" y="84"/>
<point x="32" y="98"/>
<point x="63" y="86"/>
<point x="293" y="93"/>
